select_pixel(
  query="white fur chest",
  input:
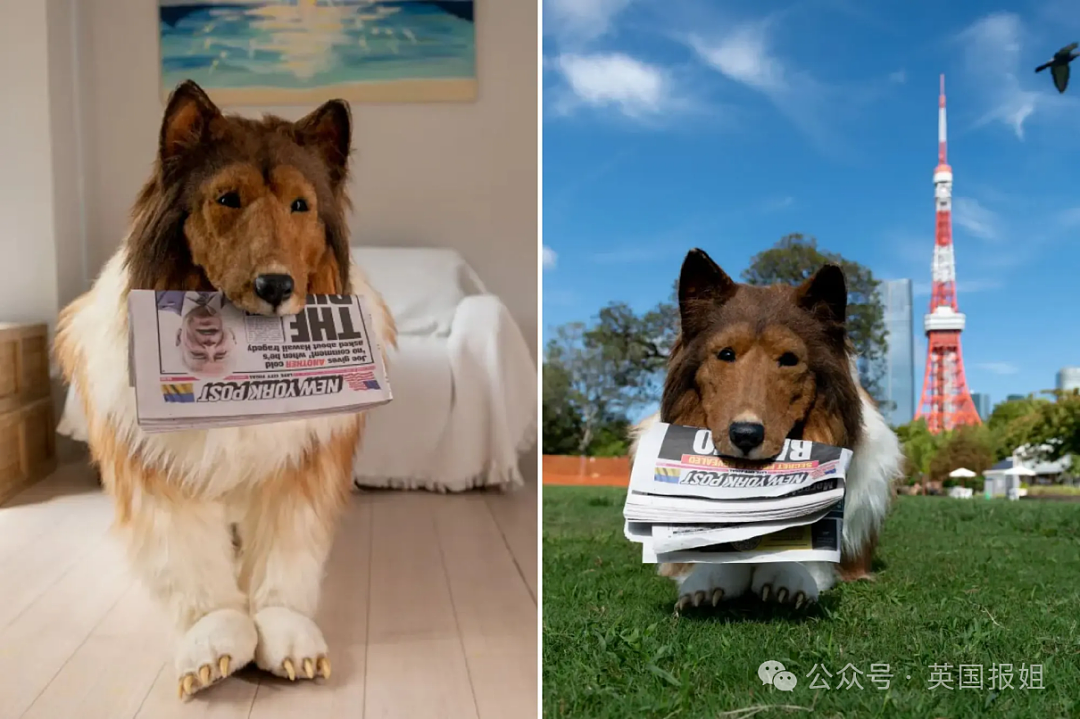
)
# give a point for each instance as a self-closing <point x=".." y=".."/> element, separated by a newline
<point x="213" y="461"/>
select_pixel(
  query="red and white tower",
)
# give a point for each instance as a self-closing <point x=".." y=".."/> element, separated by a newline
<point x="946" y="402"/>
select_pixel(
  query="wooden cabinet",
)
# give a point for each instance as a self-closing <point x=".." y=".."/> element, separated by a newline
<point x="27" y="424"/>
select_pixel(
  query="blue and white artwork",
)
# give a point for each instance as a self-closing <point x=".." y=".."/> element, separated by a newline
<point x="275" y="52"/>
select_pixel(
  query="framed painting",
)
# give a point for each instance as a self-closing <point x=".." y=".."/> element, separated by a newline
<point x="284" y="52"/>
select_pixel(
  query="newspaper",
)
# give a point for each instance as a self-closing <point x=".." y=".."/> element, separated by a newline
<point x="685" y="503"/>
<point x="198" y="361"/>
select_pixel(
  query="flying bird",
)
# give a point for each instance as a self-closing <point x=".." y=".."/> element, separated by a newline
<point x="1059" y="65"/>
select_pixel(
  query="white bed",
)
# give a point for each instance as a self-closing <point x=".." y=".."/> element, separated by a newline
<point x="464" y="383"/>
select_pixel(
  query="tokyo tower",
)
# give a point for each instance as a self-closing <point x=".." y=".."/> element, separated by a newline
<point x="945" y="402"/>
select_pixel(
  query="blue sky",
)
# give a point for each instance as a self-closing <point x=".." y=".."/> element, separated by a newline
<point x="680" y="123"/>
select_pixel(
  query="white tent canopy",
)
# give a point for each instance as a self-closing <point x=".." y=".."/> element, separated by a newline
<point x="962" y="473"/>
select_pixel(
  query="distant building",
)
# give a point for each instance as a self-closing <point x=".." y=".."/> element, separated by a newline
<point x="899" y="381"/>
<point x="1014" y="397"/>
<point x="1068" y="378"/>
<point x="982" y="405"/>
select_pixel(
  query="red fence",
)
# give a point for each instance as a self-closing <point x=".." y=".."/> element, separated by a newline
<point x="595" y="471"/>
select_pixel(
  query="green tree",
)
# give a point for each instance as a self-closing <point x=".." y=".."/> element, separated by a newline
<point x="794" y="259"/>
<point x="920" y="447"/>
<point x="561" y="431"/>
<point x="970" y="447"/>
<point x="636" y="346"/>
<point x="582" y="395"/>
<point x="612" y="438"/>
<point x="1051" y="429"/>
<point x="562" y="424"/>
<point x="1007" y="414"/>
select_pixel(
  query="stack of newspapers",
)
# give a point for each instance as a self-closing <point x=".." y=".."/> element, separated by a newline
<point x="197" y="361"/>
<point x="688" y="504"/>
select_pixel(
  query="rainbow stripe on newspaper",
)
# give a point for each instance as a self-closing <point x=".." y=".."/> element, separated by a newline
<point x="178" y="392"/>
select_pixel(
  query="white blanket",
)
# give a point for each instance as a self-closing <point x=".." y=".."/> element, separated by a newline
<point x="464" y="407"/>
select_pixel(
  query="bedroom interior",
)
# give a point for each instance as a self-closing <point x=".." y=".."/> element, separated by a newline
<point x="433" y="572"/>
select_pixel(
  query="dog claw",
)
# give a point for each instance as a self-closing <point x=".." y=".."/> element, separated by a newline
<point x="223" y="665"/>
<point x="287" y="665"/>
<point x="800" y="598"/>
<point x="781" y="595"/>
<point x="323" y="665"/>
<point x="699" y="597"/>
<point x="717" y="595"/>
<point x="204" y="675"/>
<point x="683" y="603"/>
<point x="765" y="592"/>
<point x="309" y="668"/>
<point x="187" y="685"/>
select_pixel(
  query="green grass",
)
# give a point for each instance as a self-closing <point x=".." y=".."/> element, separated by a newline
<point x="959" y="582"/>
<point x="1053" y="490"/>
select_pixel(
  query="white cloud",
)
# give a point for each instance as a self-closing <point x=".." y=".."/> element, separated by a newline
<point x="976" y="219"/>
<point x="899" y="77"/>
<point x="992" y="49"/>
<point x="998" y="367"/>
<point x="743" y="54"/>
<point x="775" y="204"/>
<point x="633" y="87"/>
<point x="580" y="21"/>
<point x="549" y="258"/>
<point x="1069" y="217"/>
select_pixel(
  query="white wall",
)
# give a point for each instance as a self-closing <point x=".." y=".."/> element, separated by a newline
<point x="448" y="175"/>
<point x="41" y="239"/>
<point x="27" y="238"/>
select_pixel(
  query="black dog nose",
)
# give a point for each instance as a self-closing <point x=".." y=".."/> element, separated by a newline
<point x="746" y="435"/>
<point x="275" y="289"/>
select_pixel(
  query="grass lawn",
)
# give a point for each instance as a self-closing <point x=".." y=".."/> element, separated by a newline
<point x="960" y="582"/>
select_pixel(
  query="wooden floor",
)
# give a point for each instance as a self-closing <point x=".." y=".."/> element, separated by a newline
<point x="429" y="608"/>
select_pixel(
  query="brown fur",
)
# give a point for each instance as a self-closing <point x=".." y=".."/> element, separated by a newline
<point x="125" y="475"/>
<point x="814" y="398"/>
<point x="230" y="199"/>
<point x="858" y="566"/>
<point x="184" y="237"/>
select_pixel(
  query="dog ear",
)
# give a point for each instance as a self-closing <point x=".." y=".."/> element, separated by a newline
<point x="188" y="118"/>
<point x="703" y="287"/>
<point x="328" y="130"/>
<point x="825" y="294"/>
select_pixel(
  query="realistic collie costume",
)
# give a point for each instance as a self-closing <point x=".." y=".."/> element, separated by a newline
<point x="758" y="365"/>
<point x="229" y="528"/>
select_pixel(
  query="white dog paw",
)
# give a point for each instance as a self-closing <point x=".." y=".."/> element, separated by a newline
<point x="290" y="645"/>
<point x="713" y="583"/>
<point x="213" y="648"/>
<point x="784" y="583"/>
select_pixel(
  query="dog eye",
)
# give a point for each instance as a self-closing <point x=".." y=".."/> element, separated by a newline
<point x="727" y="354"/>
<point x="788" y="359"/>
<point x="299" y="205"/>
<point x="230" y="199"/>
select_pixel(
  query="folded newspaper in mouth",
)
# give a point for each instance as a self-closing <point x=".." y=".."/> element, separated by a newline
<point x="198" y="361"/>
<point x="686" y="503"/>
